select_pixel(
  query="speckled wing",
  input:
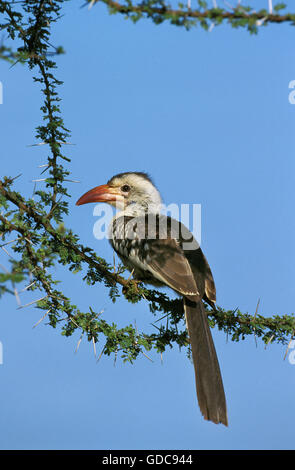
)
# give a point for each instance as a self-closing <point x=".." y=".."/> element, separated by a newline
<point x="202" y="274"/>
<point x="151" y="244"/>
<point x="167" y="262"/>
<point x="164" y="248"/>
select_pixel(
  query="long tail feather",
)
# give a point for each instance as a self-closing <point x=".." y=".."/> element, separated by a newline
<point x="209" y="384"/>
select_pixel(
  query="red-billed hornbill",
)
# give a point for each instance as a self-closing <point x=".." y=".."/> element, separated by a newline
<point x="159" y="250"/>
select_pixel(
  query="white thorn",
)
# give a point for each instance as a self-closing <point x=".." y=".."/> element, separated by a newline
<point x="288" y="347"/>
<point x="33" y="302"/>
<point x="78" y="344"/>
<point x="47" y="143"/>
<point x="228" y="5"/>
<point x="8" y="243"/>
<point x="260" y="22"/>
<point x="17" y="296"/>
<point x="4" y="269"/>
<point x="39" y="321"/>
<point x="94" y="348"/>
<point x="269" y="340"/>
<point x="25" y="288"/>
<point x="8" y="254"/>
<point x="211" y="27"/>
<point x="100" y="354"/>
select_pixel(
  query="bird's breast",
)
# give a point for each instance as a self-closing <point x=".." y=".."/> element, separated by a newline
<point x="133" y="236"/>
<point x="126" y="238"/>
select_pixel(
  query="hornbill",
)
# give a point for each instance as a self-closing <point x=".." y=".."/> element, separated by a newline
<point x="159" y="250"/>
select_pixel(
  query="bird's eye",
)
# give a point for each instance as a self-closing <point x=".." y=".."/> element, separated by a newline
<point x="125" y="188"/>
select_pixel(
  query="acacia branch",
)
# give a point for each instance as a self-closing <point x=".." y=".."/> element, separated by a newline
<point x="160" y="11"/>
<point x="235" y="323"/>
<point x="212" y="14"/>
<point x="43" y="240"/>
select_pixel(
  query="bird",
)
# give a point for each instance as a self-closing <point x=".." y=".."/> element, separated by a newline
<point x="161" y="251"/>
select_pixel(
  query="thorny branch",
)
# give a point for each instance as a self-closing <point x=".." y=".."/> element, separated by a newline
<point x="41" y="238"/>
<point x="204" y="14"/>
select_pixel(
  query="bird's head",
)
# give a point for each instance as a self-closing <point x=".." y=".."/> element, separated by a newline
<point x="133" y="192"/>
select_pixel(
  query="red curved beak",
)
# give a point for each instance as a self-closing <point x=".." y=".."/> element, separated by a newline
<point x="103" y="193"/>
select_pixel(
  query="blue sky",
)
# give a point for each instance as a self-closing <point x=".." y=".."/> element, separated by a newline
<point x="208" y="116"/>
